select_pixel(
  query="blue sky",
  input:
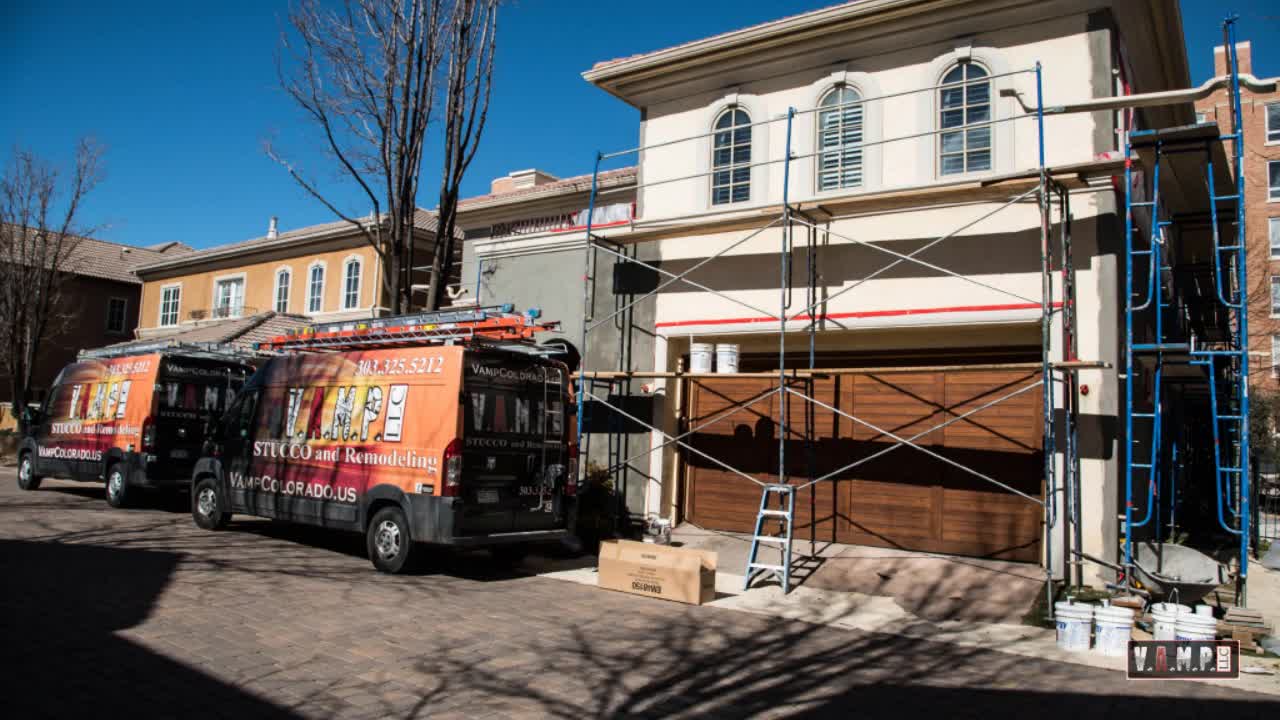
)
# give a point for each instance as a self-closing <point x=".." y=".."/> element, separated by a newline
<point x="183" y="99"/>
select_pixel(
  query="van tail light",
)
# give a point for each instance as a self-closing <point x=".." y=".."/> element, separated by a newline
<point x="148" y="434"/>
<point x="571" y="477"/>
<point x="452" y="468"/>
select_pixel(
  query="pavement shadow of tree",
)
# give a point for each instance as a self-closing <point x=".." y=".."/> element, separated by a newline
<point x="61" y="616"/>
<point x="705" y="662"/>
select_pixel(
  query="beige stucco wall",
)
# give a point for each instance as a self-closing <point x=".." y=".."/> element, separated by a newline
<point x="259" y="290"/>
<point x="1066" y="47"/>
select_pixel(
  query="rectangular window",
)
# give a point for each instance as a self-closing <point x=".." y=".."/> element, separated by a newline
<point x="228" y="298"/>
<point x="1275" y="294"/>
<point x="170" y="299"/>
<point x="282" y="290"/>
<point x="1273" y="180"/>
<point x="315" y="289"/>
<point x="1275" y="356"/>
<point x="1273" y="123"/>
<point x="351" y="285"/>
<point x="117" y="312"/>
<point x="1274" y="231"/>
<point x="1201" y="117"/>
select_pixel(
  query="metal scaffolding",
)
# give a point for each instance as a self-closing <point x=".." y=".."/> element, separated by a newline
<point x="1057" y="379"/>
<point x="1186" y="325"/>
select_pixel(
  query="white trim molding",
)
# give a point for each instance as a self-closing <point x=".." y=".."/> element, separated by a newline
<point x="758" y="190"/>
<point x="177" y="311"/>
<point x="346" y="262"/>
<point x="275" y="288"/>
<point x="1003" y="150"/>
<point x="804" y="136"/>
<point x="219" y="279"/>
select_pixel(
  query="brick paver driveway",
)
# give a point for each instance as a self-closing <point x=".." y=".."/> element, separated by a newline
<point x="138" y="614"/>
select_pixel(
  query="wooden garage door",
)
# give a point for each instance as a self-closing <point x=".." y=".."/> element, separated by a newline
<point x="903" y="498"/>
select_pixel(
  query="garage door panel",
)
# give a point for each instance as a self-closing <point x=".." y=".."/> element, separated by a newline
<point x="903" y="498"/>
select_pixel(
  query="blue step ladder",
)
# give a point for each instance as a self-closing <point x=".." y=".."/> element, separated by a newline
<point x="785" y="515"/>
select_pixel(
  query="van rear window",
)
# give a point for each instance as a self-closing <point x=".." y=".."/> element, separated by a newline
<point x="196" y="397"/>
<point x="506" y="411"/>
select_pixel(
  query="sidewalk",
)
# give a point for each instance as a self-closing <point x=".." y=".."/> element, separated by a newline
<point x="965" y="602"/>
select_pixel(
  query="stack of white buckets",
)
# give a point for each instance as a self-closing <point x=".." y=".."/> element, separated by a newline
<point x="1112" y="626"/>
<point x="725" y="354"/>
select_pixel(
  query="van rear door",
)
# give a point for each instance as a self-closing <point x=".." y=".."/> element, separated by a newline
<point x="191" y="392"/>
<point x="515" y="444"/>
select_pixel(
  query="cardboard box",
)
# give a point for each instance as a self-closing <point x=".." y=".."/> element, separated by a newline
<point x="661" y="571"/>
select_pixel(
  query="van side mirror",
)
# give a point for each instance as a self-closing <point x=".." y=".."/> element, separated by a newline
<point x="30" y="416"/>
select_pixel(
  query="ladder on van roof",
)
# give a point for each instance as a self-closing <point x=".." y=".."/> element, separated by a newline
<point x="208" y="350"/>
<point x="495" y="326"/>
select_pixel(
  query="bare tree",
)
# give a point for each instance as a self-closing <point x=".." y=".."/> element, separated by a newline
<point x="366" y="75"/>
<point x="39" y="236"/>
<point x="472" y="39"/>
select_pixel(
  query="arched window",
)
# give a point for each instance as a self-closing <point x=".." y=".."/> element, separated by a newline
<point x="351" y="284"/>
<point x="964" y="101"/>
<point x="840" y="139"/>
<point x="315" y="289"/>
<point x="283" y="277"/>
<point x="731" y="158"/>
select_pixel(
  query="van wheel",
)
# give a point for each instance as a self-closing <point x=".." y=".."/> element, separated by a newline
<point x="27" y="478"/>
<point x="207" y="506"/>
<point x="118" y="492"/>
<point x="388" y="540"/>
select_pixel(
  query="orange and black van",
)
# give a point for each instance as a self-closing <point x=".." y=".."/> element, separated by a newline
<point x="462" y="445"/>
<point x="129" y="420"/>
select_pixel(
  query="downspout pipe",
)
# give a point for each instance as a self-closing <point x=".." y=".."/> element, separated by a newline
<point x="1164" y="97"/>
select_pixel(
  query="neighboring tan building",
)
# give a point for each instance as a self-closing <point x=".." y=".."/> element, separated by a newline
<point x="885" y="161"/>
<point x="1260" y="119"/>
<point x="313" y="274"/>
<point x="101" y="302"/>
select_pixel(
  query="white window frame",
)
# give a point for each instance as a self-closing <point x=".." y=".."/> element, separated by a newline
<point x="346" y="281"/>
<point x="177" y="305"/>
<point x="1275" y="356"/>
<point x="1275" y="296"/>
<point x="1273" y="191"/>
<point x="1273" y="233"/>
<point x="310" y="289"/>
<point x="275" y="288"/>
<point x="839" y="148"/>
<point x="1268" y="127"/>
<point x="217" y="287"/>
<point x="733" y="167"/>
<point x="964" y="127"/>
<point x="124" y="315"/>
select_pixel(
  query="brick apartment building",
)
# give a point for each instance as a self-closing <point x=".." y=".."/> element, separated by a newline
<point x="1260" y="115"/>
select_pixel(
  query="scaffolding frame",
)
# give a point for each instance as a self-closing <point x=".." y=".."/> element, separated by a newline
<point x="1224" y="361"/>
<point x="1043" y="192"/>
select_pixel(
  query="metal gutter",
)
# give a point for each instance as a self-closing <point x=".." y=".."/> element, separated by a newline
<point x="1155" y="99"/>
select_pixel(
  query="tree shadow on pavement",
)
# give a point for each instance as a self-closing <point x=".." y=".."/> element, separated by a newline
<point x="62" y="614"/>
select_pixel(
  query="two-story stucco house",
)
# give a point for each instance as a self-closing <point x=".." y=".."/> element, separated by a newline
<point x="895" y="128"/>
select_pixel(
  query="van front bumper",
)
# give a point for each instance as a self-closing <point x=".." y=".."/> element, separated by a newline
<point x="433" y="520"/>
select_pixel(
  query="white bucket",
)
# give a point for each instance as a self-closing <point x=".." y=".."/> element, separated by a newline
<point x="1165" y="617"/>
<point x="727" y="358"/>
<point x="1196" y="626"/>
<point x="700" y="355"/>
<point x="1113" y="627"/>
<point x="1074" y="621"/>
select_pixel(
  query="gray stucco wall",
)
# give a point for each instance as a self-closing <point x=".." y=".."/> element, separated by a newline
<point x="553" y="282"/>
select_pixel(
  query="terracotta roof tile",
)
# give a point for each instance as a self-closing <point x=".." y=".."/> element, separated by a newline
<point x="240" y="332"/>
<point x="109" y="260"/>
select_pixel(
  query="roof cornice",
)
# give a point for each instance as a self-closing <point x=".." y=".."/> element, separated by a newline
<point x="823" y="21"/>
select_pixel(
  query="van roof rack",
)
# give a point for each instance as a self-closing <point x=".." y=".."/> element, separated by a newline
<point x="207" y="350"/>
<point x="493" y="326"/>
